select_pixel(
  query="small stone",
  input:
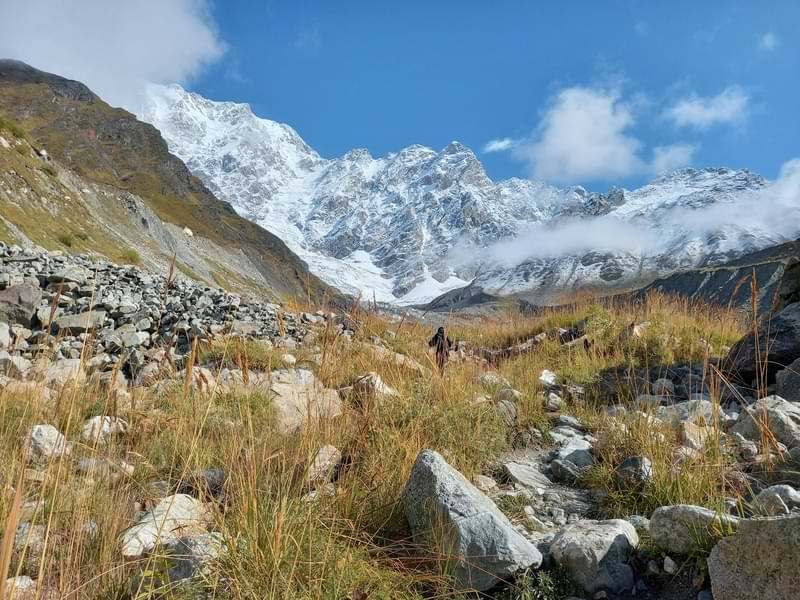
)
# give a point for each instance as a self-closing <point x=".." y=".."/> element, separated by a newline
<point x="633" y="471"/>
<point x="670" y="567"/>
<point x="101" y="428"/>
<point x="547" y="378"/>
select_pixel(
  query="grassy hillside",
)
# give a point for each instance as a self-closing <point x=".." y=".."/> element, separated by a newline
<point x="109" y="146"/>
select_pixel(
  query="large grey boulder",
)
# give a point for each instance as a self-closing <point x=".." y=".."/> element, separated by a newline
<point x="298" y="396"/>
<point x="782" y="417"/>
<point x="682" y="528"/>
<point x="18" y="303"/>
<point x="777" y="500"/>
<point x="787" y="382"/>
<point x="443" y="508"/>
<point x="761" y="560"/>
<point x="596" y="554"/>
<point x="776" y="343"/>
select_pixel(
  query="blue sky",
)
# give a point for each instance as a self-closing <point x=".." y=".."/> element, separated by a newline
<point x="593" y="93"/>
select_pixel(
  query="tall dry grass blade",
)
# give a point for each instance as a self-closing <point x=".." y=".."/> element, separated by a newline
<point x="12" y="521"/>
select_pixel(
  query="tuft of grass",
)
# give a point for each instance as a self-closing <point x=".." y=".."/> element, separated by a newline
<point x="132" y="257"/>
<point x="66" y="239"/>
<point x="50" y="170"/>
<point x="12" y="127"/>
<point x="551" y="584"/>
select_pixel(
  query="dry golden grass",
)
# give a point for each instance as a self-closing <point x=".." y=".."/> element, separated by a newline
<point x="355" y="544"/>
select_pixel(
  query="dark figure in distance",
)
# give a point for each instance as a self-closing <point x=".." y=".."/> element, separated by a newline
<point x="442" y="343"/>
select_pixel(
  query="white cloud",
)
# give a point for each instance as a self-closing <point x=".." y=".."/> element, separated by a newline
<point x="669" y="158"/>
<point x="498" y="145"/>
<point x="730" y="106"/>
<point x="772" y="212"/>
<point x="114" y="46"/>
<point x="769" y="41"/>
<point x="582" y="135"/>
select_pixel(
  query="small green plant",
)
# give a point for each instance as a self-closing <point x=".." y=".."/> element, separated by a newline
<point x="21" y="149"/>
<point x="131" y="256"/>
<point x="11" y="127"/>
<point x="554" y="584"/>
<point x="50" y="171"/>
<point x="82" y="236"/>
<point x="66" y="239"/>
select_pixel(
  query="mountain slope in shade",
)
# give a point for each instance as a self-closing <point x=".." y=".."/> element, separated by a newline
<point x="411" y="225"/>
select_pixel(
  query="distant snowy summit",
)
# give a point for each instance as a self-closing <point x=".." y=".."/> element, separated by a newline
<point x="409" y="226"/>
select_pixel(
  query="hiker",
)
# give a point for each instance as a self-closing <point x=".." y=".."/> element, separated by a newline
<point x="442" y="343"/>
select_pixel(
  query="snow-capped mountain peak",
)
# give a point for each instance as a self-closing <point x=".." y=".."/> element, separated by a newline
<point x="417" y="222"/>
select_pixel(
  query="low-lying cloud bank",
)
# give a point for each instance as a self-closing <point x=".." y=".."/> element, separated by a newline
<point x="773" y="211"/>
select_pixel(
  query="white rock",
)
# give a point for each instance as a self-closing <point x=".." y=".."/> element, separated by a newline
<point x="172" y="518"/>
<point x="101" y="428"/>
<point x="481" y="544"/>
<point x="46" y="442"/>
<point x="547" y="377"/>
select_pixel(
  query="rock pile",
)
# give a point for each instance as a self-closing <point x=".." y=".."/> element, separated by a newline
<point x="120" y="316"/>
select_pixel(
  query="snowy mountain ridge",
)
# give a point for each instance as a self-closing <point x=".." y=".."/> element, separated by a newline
<point x="409" y="226"/>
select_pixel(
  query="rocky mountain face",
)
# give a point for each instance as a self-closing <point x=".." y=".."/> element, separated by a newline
<point x="731" y="283"/>
<point x="79" y="175"/>
<point x="416" y="223"/>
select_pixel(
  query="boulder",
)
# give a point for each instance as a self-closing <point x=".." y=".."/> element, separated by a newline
<point x="783" y="418"/>
<point x="18" y="303"/>
<point x="663" y="387"/>
<point x="477" y="539"/>
<point x="12" y="365"/>
<point x="61" y="372"/>
<point x="777" y="500"/>
<point x="81" y="323"/>
<point x="172" y="518"/>
<point x="682" y="528"/>
<point x="69" y="274"/>
<point x="787" y="382"/>
<point x="194" y="557"/>
<point x="298" y="396"/>
<point x="691" y="410"/>
<point x="634" y="471"/>
<point x="596" y="554"/>
<point x="776" y="343"/>
<point x="759" y="561"/>
<point x="693" y="436"/>
<point x="492" y="379"/>
<point x="323" y="466"/>
<point x="202" y="381"/>
<point x="372" y="387"/>
<point x="46" y="442"/>
<point x="101" y="428"/>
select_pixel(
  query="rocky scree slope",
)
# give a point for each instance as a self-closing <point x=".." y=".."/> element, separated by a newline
<point x="85" y="175"/>
<point x="416" y="223"/>
<point x="124" y="321"/>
